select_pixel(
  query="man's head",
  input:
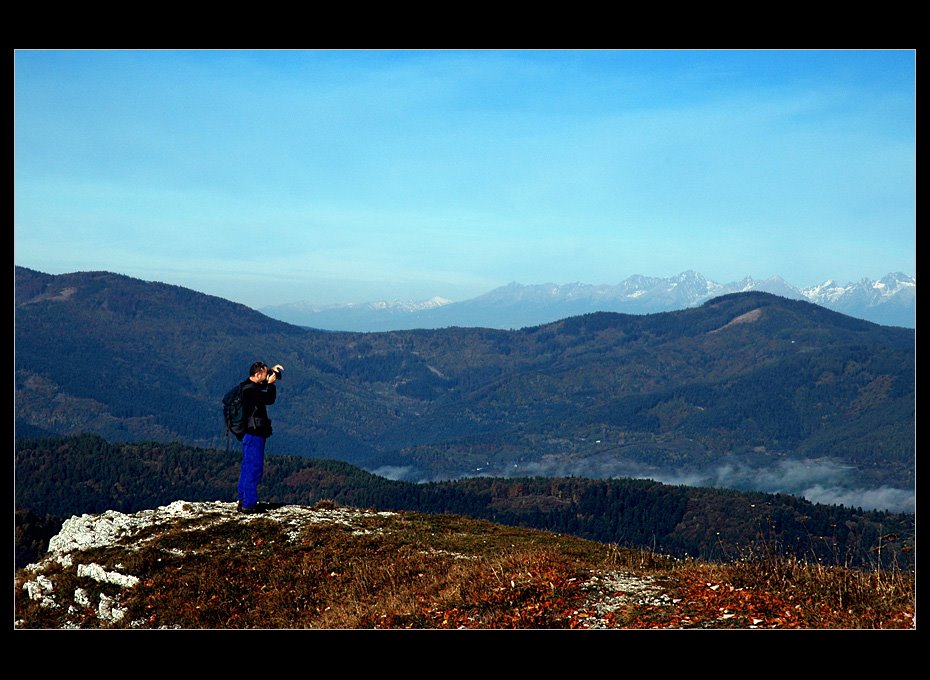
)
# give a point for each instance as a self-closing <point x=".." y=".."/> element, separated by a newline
<point x="258" y="371"/>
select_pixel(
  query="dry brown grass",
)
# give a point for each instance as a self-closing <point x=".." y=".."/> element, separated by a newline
<point x="414" y="570"/>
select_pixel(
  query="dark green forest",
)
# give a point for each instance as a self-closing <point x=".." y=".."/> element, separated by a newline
<point x="57" y="477"/>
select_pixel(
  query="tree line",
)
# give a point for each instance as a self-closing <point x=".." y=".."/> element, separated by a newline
<point x="57" y="477"/>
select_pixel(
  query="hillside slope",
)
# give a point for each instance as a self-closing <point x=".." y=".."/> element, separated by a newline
<point x="204" y="566"/>
<point x="718" y="394"/>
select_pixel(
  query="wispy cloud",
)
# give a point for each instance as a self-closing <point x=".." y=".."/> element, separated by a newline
<point x="433" y="164"/>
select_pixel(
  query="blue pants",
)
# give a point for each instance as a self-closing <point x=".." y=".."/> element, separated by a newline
<point x="250" y="474"/>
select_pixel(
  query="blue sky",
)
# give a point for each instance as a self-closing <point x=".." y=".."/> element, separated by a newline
<point x="268" y="177"/>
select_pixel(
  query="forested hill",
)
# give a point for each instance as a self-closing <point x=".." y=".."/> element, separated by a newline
<point x="63" y="476"/>
<point x="747" y="381"/>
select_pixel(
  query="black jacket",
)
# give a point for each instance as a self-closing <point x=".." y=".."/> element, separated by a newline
<point x="255" y="397"/>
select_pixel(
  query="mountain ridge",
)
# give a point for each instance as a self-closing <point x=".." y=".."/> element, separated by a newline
<point x="799" y="393"/>
<point x="889" y="301"/>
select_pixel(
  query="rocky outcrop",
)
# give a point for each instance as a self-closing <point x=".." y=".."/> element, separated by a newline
<point x="68" y="550"/>
<point x="72" y="589"/>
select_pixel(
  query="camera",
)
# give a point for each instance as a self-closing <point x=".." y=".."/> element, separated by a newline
<point x="278" y="371"/>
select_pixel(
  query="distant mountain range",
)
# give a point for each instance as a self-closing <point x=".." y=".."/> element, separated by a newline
<point x="749" y="391"/>
<point x="890" y="301"/>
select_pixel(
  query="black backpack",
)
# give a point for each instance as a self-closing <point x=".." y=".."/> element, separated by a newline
<point x="234" y="413"/>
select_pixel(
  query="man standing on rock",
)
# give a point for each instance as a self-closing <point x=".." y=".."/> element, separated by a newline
<point x="258" y="392"/>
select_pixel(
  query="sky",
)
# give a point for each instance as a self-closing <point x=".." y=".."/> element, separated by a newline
<point x="267" y="177"/>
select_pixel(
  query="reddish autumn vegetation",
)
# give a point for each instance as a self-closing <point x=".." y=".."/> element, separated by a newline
<point x="422" y="571"/>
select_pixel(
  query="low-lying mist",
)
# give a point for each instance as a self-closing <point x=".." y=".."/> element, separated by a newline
<point x="817" y="480"/>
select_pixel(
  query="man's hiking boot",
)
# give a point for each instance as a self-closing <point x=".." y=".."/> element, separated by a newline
<point x="248" y="511"/>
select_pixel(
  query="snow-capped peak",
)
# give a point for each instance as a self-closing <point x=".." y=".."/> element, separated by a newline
<point x="889" y="301"/>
